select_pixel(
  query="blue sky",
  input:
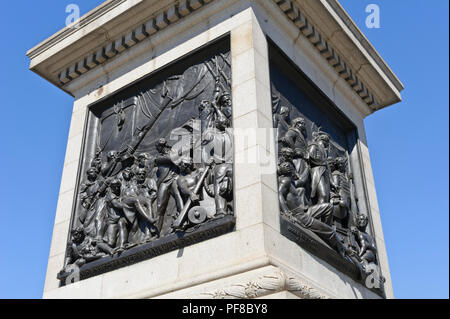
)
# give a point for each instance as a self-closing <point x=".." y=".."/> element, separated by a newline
<point x="408" y="144"/>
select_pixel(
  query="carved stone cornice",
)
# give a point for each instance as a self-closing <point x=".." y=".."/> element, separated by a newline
<point x="299" y="19"/>
<point x="268" y="283"/>
<point x="117" y="25"/>
<point x="349" y="23"/>
<point x="104" y="33"/>
<point x="158" y="22"/>
<point x="102" y="9"/>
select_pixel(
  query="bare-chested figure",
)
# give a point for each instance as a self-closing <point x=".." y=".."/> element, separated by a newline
<point x="367" y="250"/>
<point x="187" y="181"/>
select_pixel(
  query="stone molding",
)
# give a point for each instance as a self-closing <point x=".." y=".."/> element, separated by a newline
<point x="293" y="13"/>
<point x="377" y="86"/>
<point x="182" y="9"/>
<point x="269" y="283"/>
<point x="158" y="22"/>
<point x="343" y="15"/>
<point x="64" y="33"/>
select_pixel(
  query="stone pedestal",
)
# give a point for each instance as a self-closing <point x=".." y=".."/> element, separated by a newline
<point x="122" y="42"/>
